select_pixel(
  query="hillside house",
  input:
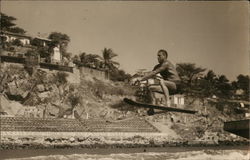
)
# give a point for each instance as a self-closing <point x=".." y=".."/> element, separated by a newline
<point x="42" y="41"/>
<point x="55" y="54"/>
<point x="10" y="37"/>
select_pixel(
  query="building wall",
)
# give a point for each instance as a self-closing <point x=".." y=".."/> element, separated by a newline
<point x="94" y="73"/>
<point x="24" y="41"/>
<point x="56" y="57"/>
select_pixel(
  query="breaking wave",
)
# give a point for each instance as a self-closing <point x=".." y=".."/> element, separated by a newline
<point x="191" y="155"/>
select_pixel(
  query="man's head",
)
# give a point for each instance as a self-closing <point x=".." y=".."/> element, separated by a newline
<point x="162" y="55"/>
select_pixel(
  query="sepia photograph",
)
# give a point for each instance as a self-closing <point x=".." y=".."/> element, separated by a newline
<point x="124" y="80"/>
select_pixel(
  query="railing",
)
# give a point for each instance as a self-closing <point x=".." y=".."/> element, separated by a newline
<point x="12" y="59"/>
<point x="21" y="60"/>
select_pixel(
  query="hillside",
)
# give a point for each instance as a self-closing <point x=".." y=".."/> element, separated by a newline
<point x="50" y="89"/>
<point x="50" y="94"/>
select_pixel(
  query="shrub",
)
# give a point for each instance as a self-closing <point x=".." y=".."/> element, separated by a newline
<point x="61" y="77"/>
<point x="74" y="100"/>
<point x="17" y="42"/>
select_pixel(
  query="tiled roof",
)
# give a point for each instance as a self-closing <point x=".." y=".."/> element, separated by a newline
<point x="23" y="35"/>
<point x="15" y="34"/>
<point x="44" y="39"/>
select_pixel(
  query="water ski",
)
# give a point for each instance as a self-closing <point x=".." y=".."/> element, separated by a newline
<point x="152" y="107"/>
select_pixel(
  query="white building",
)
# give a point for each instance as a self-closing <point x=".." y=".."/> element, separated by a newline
<point x="10" y="37"/>
<point x="42" y="41"/>
<point x="56" y="56"/>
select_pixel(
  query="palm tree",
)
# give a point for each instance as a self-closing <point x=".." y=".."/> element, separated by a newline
<point x="189" y="75"/>
<point x="108" y="54"/>
<point x="242" y="83"/>
<point x="208" y="84"/>
<point x="210" y="76"/>
<point x="90" y="60"/>
<point x="82" y="57"/>
<point x="224" y="87"/>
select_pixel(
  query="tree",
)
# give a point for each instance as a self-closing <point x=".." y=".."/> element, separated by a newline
<point x="7" y="24"/>
<point x="242" y="82"/>
<point x="90" y="60"/>
<point x="224" y="88"/>
<point x="119" y="75"/>
<point x="60" y="39"/>
<point x="17" y="42"/>
<point x="17" y="30"/>
<point x="76" y="60"/>
<point x="208" y="84"/>
<point x="7" y="21"/>
<point x="31" y="61"/>
<point x="82" y="57"/>
<point x="108" y="54"/>
<point x="43" y="52"/>
<point x="189" y="74"/>
<point x="210" y="76"/>
<point x="61" y="78"/>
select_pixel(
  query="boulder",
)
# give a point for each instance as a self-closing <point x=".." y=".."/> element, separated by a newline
<point x="44" y="95"/>
<point x="32" y="99"/>
<point x="72" y="139"/>
<point x="40" y="88"/>
<point x="20" y="82"/>
<point x="52" y="110"/>
<point x="61" y="90"/>
<point x="54" y="88"/>
<point x="25" y="94"/>
<point x="10" y="107"/>
<point x="15" y="93"/>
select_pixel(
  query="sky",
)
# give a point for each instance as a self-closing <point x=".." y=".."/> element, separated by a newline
<point x="213" y="35"/>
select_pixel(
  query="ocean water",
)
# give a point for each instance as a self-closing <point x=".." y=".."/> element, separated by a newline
<point x="208" y="154"/>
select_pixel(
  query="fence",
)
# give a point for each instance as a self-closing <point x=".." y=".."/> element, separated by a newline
<point x="27" y="61"/>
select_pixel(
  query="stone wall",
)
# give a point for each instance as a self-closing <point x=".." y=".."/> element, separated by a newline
<point x="99" y="74"/>
<point x="74" y="77"/>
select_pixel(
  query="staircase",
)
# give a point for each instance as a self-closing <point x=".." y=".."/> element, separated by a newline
<point x="73" y="125"/>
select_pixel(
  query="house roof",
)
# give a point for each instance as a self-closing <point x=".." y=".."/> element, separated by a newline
<point x="43" y="39"/>
<point x="15" y="34"/>
<point x="23" y="35"/>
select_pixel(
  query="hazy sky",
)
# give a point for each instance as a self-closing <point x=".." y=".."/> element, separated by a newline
<point x="214" y="35"/>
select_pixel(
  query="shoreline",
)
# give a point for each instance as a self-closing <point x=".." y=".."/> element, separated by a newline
<point x="120" y="144"/>
<point x="18" y="153"/>
<point x="112" y="140"/>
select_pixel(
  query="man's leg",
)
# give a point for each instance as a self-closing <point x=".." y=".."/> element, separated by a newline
<point x="152" y="91"/>
<point x="164" y="88"/>
<point x="166" y="92"/>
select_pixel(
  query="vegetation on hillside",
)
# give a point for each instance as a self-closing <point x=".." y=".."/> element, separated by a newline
<point x="8" y="24"/>
<point x="105" y="63"/>
<point x="196" y="82"/>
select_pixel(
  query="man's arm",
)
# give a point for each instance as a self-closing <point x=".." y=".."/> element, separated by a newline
<point x="155" y="72"/>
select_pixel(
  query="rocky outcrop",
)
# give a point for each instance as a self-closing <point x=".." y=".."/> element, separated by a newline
<point x="9" y="107"/>
<point x="61" y="94"/>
